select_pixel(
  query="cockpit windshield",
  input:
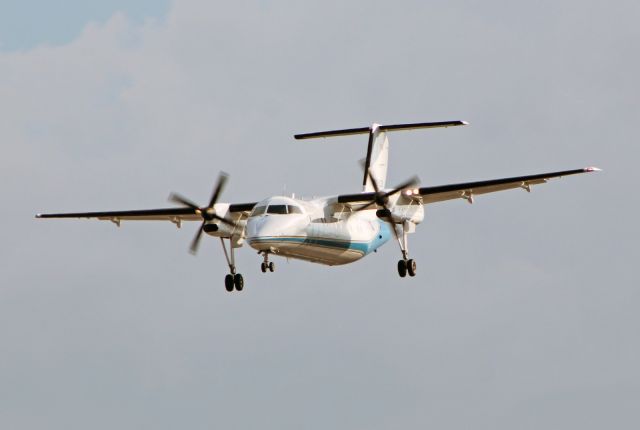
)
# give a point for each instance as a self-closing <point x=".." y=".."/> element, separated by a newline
<point x="277" y="209"/>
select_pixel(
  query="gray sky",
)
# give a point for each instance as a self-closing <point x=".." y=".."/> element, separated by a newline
<point x="524" y="313"/>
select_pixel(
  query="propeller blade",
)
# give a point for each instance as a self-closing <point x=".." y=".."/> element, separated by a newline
<point x="391" y="224"/>
<point x="373" y="181"/>
<point x="365" y="207"/>
<point x="177" y="198"/>
<point x="195" y="243"/>
<point x="222" y="180"/>
<point x="207" y="213"/>
<point x="368" y="174"/>
<point x="409" y="183"/>
<point x="224" y="220"/>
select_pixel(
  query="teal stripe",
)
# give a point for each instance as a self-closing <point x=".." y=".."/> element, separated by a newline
<point x="356" y="246"/>
<point x="365" y="247"/>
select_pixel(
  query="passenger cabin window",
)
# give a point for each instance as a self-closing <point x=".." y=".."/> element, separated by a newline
<point x="294" y="209"/>
<point x="277" y="209"/>
<point x="258" y="210"/>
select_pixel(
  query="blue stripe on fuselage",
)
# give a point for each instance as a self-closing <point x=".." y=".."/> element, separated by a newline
<point x="383" y="236"/>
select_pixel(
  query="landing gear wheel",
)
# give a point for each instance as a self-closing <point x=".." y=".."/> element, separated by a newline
<point x="238" y="280"/>
<point x="272" y="267"/>
<point x="402" y="268"/>
<point x="411" y="267"/>
<point x="228" y="282"/>
<point x="263" y="267"/>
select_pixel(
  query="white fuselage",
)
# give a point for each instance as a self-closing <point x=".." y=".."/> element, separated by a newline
<point x="307" y="230"/>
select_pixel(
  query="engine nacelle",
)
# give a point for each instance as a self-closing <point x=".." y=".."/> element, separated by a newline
<point x="210" y="228"/>
<point x="218" y="229"/>
<point x="400" y="213"/>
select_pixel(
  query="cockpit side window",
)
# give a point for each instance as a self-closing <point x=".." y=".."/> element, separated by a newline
<point x="258" y="210"/>
<point x="277" y="209"/>
<point x="294" y="209"/>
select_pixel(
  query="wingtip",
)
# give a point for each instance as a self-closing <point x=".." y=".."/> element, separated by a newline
<point x="465" y="122"/>
<point x="592" y="169"/>
<point x="38" y="215"/>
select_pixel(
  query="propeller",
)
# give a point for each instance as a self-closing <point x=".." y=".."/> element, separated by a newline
<point x="381" y="197"/>
<point x="207" y="212"/>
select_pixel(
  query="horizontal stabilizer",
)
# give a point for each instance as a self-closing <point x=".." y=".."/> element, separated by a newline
<point x="390" y="127"/>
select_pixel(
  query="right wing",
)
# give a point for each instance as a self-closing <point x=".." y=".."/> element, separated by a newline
<point x="174" y="215"/>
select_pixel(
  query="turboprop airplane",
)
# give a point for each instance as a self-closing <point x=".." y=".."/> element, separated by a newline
<point x="332" y="230"/>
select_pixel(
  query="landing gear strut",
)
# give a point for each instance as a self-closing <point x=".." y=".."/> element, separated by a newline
<point x="406" y="265"/>
<point x="233" y="279"/>
<point x="266" y="264"/>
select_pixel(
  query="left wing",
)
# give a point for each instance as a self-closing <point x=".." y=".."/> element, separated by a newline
<point x="467" y="190"/>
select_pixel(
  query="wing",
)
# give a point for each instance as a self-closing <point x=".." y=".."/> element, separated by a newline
<point x="467" y="190"/>
<point x="175" y="215"/>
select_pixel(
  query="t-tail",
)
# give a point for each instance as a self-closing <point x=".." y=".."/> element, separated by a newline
<point x="377" y="160"/>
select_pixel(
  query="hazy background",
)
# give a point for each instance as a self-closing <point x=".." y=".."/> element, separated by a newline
<point x="524" y="313"/>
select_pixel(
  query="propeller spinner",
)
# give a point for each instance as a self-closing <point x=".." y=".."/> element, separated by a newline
<point x="206" y="212"/>
<point x="381" y="197"/>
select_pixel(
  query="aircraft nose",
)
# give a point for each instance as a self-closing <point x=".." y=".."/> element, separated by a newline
<point x="262" y="231"/>
<point x="266" y="226"/>
<point x="257" y="226"/>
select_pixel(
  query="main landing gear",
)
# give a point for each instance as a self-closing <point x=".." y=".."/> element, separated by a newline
<point x="233" y="279"/>
<point x="406" y="265"/>
<point x="266" y="264"/>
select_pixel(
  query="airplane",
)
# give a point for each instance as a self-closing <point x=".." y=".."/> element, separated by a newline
<point x="333" y="230"/>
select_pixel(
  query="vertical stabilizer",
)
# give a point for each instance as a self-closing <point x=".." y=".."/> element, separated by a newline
<point x="377" y="158"/>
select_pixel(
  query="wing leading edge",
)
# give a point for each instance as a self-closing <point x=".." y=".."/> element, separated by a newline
<point x="467" y="190"/>
<point x="166" y="214"/>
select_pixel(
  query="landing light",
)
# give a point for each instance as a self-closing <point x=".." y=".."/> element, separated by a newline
<point x="411" y="192"/>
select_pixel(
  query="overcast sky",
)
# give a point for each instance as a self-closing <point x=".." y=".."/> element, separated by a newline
<point x="524" y="313"/>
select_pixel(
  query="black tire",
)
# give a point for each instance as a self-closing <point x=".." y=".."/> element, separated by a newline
<point x="263" y="267"/>
<point x="412" y="267"/>
<point x="272" y="266"/>
<point x="238" y="280"/>
<point x="229" y="282"/>
<point x="402" y="268"/>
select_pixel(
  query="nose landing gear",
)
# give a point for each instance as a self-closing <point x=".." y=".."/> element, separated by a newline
<point x="266" y="264"/>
